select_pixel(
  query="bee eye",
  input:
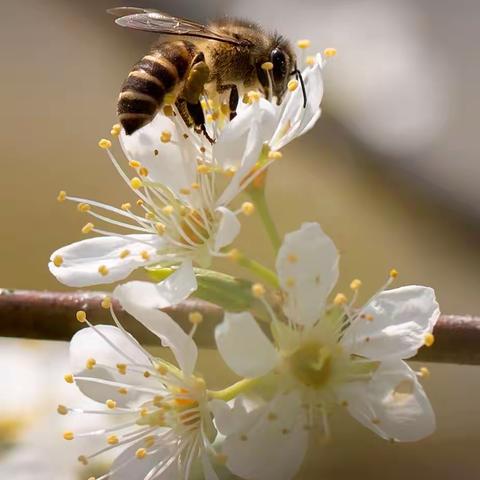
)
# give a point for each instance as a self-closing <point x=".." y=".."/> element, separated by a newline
<point x="279" y="61"/>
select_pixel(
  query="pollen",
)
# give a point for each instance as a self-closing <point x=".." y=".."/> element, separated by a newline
<point x="253" y="96"/>
<point x="104" y="143"/>
<point x="87" y="228"/>
<point x="393" y="273"/>
<point x="62" y="195"/>
<point x="429" y="339"/>
<point x="168" y="210"/>
<point x="62" y="410"/>
<point x="112" y="440"/>
<point x="195" y="318"/>
<point x="136" y="183"/>
<point x="292" y="85"/>
<point x="209" y="118"/>
<point x="160" y="228"/>
<point x="141" y="453"/>
<point x="143" y="172"/>
<point x="310" y="60"/>
<point x="134" y="164"/>
<point x="103" y="270"/>
<point x="248" y="208"/>
<point x="83" y="207"/>
<point x="57" y="260"/>
<point x="275" y="155"/>
<point x="356" y="284"/>
<point x="168" y="111"/>
<point x="106" y="302"/>
<point x="111" y="404"/>
<point x="150" y="216"/>
<point x="161" y="369"/>
<point x="83" y="460"/>
<point x="424" y="372"/>
<point x="68" y="435"/>
<point x="124" y="253"/>
<point x="90" y="363"/>
<point x="267" y="66"/>
<point x="116" y="129"/>
<point x="203" y="169"/>
<point x="258" y="290"/>
<point x="126" y="206"/>
<point x="234" y="255"/>
<point x="81" y="316"/>
<point x="195" y="186"/>
<point x="122" y="391"/>
<point x="139" y="202"/>
<point x="68" y="378"/>
<point x="340" y="299"/>
<point x="145" y="255"/>
<point x="146" y="374"/>
<point x="165" y="136"/>
<point x="330" y="52"/>
<point x="303" y="43"/>
<point x="122" y="368"/>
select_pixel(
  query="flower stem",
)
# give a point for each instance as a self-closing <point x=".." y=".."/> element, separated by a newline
<point x="267" y="275"/>
<point x="234" y="390"/>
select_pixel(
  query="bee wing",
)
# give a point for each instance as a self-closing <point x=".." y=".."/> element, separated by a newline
<point x="160" y="22"/>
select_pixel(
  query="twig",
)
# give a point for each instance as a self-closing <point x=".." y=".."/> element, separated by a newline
<point x="51" y="316"/>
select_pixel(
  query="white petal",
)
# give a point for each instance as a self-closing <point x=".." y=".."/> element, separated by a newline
<point x="228" y="228"/>
<point x="401" y="318"/>
<point x="81" y="260"/>
<point x="134" y="467"/>
<point x="243" y="345"/>
<point x="307" y="266"/>
<point x="269" y="449"/>
<point x="143" y="300"/>
<point x="208" y="471"/>
<point x="393" y="403"/>
<point x="169" y="166"/>
<point x="89" y="343"/>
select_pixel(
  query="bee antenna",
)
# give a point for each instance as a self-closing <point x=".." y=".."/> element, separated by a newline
<point x="298" y="74"/>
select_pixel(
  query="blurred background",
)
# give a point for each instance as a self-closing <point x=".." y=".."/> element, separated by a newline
<point x="391" y="172"/>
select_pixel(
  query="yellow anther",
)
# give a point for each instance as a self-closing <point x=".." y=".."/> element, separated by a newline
<point x="248" y="208"/>
<point x="134" y="164"/>
<point x="103" y="270"/>
<point x="275" y="155"/>
<point x="83" y="460"/>
<point x="310" y="60"/>
<point x="112" y="440"/>
<point x="161" y="369"/>
<point x="355" y="284"/>
<point x="122" y="368"/>
<point x="225" y="109"/>
<point x="139" y="202"/>
<point x="140" y="453"/>
<point x="393" y="273"/>
<point x="203" y="168"/>
<point x="185" y="191"/>
<point x="145" y="255"/>
<point x="122" y="391"/>
<point x="136" y="183"/>
<point x="81" y="316"/>
<point x="330" y="52"/>
<point x="424" y="372"/>
<point x="209" y="118"/>
<point x="258" y="290"/>
<point x="83" y="207"/>
<point x="169" y="99"/>
<point x="143" y="412"/>
<point x="168" y="111"/>
<point x="195" y="186"/>
<point x="150" y="216"/>
<point x="62" y="195"/>
<point x="290" y="282"/>
<point x="195" y="318"/>
<point x="204" y="104"/>
<point x="369" y="317"/>
<point x="68" y="435"/>
<point x="157" y="401"/>
<point x="143" y="171"/>
<point x="124" y="253"/>
<point x="253" y="96"/>
<point x="292" y="258"/>
<point x="90" y="363"/>
<point x="146" y="374"/>
<point x="267" y="66"/>
<point x="126" y="206"/>
<point x="57" y="260"/>
<point x="340" y="299"/>
<point x="88" y="227"/>
<point x="160" y="228"/>
<point x="106" y="302"/>
<point x="234" y="255"/>
<point x="116" y="129"/>
<point x="68" y="378"/>
<point x="104" y="143"/>
<point x="429" y="339"/>
<point x="303" y="43"/>
<point x="62" y="410"/>
<point x="168" y="210"/>
<point x="165" y="136"/>
<point x="111" y="404"/>
<point x="292" y="85"/>
<point x="229" y="172"/>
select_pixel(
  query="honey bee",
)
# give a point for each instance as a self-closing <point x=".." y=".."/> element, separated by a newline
<point x="224" y="57"/>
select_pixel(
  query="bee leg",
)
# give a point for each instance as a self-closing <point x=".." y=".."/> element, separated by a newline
<point x="182" y="108"/>
<point x="195" y="111"/>
<point x="233" y="99"/>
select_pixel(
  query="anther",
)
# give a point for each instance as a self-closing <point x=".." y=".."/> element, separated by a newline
<point x="161" y="369"/>
<point x="303" y="44"/>
<point x="209" y="118"/>
<point x="272" y="155"/>
<point x="62" y="195"/>
<point x="143" y="171"/>
<point x="136" y="183"/>
<point x="195" y="186"/>
<point x="160" y="228"/>
<point x="157" y="401"/>
<point x="103" y="270"/>
<point x="106" y="302"/>
<point x="150" y="216"/>
<point x="90" y="363"/>
<point x="234" y="255"/>
<point x="168" y="210"/>
<point x="68" y="435"/>
<point x="195" y="318"/>
<point x="140" y="453"/>
<point x="424" y="372"/>
<point x="134" y="164"/>
<point x="310" y="60"/>
<point x="122" y="391"/>
<point x="58" y="260"/>
<point x="111" y="404"/>
<point x="83" y="460"/>
<point x="292" y="85"/>
<point x="165" y="136"/>
<point x="81" y="316"/>
<point x="356" y="284"/>
<point x="203" y="168"/>
<point x="122" y="368"/>
<point x="267" y="66"/>
<point x="62" y="410"/>
<point x="330" y="52"/>
<point x="393" y="273"/>
<point x="87" y="228"/>
<point x="126" y="206"/>
<point x="112" y="440"/>
<point x="145" y="255"/>
<point x="83" y="207"/>
<point x="258" y="290"/>
<point x="168" y="111"/>
<point x="340" y="299"/>
<point x="253" y="96"/>
<point x="146" y="374"/>
<point x="248" y="208"/>
<point x="116" y="129"/>
<point x="139" y="202"/>
<point x="68" y="378"/>
<point x="124" y="253"/>
<point x="169" y="99"/>
<point x="185" y="191"/>
<point x="429" y="339"/>
<point x="104" y="143"/>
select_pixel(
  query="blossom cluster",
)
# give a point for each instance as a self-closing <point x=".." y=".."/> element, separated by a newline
<point x="300" y="349"/>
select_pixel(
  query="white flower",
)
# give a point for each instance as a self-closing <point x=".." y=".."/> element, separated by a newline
<point x="166" y="426"/>
<point x="180" y="213"/>
<point x="329" y="355"/>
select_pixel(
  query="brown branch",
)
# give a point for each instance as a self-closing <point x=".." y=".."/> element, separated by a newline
<point x="51" y="316"/>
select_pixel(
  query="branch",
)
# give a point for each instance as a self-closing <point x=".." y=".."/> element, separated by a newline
<point x="51" y="316"/>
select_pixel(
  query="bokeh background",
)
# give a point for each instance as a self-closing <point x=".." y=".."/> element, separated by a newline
<point x="391" y="171"/>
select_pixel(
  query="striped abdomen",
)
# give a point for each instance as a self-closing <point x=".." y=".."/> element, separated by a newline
<point x="151" y="78"/>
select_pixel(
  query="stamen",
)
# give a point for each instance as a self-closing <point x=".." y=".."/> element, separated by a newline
<point x="116" y="129"/>
<point x="106" y="302"/>
<point x="275" y="155"/>
<point x="62" y="195"/>
<point x="103" y="270"/>
<point x="429" y="339"/>
<point x="68" y="378"/>
<point x="340" y="299"/>
<point x="248" y="208"/>
<point x="90" y="363"/>
<point x="62" y="410"/>
<point x="136" y="183"/>
<point x="104" y="143"/>
<point x="87" y="228"/>
<point x="81" y="316"/>
<point x="330" y="52"/>
<point x="58" y="260"/>
<point x="424" y="372"/>
<point x="258" y="290"/>
<point x="195" y="318"/>
<point x="355" y="284"/>
<point x="303" y="44"/>
<point x="83" y="207"/>
<point x="68" y="435"/>
<point x="292" y="85"/>
<point x="165" y="136"/>
<point x="111" y="404"/>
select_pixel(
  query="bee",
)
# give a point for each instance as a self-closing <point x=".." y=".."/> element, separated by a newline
<point x="226" y="57"/>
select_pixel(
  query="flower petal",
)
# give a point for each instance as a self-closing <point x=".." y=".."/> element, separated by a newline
<point x="81" y="260"/>
<point x="307" y="266"/>
<point x="393" y="403"/>
<point x="143" y="300"/>
<point x="400" y="319"/>
<point x="165" y="162"/>
<point x="228" y="228"/>
<point x="123" y="348"/>
<point x="243" y="345"/>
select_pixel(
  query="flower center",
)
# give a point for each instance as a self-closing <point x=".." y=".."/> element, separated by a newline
<point x="195" y="228"/>
<point x="311" y="364"/>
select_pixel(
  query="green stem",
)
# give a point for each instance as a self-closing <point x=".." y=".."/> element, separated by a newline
<point x="260" y="202"/>
<point x="234" y="390"/>
<point x="267" y="275"/>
